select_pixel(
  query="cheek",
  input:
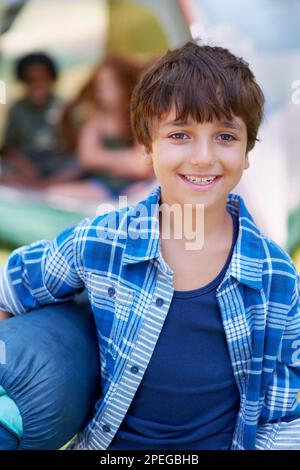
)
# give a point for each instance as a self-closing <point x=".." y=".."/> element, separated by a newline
<point x="237" y="166"/>
<point x="234" y="162"/>
<point x="168" y="156"/>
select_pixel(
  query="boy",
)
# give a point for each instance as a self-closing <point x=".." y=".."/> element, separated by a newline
<point x="199" y="345"/>
<point x="33" y="154"/>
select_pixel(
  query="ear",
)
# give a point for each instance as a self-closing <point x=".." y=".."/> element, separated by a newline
<point x="247" y="164"/>
<point x="147" y="155"/>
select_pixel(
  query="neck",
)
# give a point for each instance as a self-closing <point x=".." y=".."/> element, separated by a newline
<point x="202" y="226"/>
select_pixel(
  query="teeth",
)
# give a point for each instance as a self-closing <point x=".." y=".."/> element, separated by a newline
<point x="204" y="180"/>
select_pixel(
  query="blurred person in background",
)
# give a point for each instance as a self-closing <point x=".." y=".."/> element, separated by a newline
<point x="33" y="154"/>
<point x="97" y="125"/>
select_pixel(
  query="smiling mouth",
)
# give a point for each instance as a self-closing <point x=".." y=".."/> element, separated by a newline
<point x="201" y="180"/>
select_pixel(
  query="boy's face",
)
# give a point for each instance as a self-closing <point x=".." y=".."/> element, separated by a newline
<point x="39" y="84"/>
<point x="182" y="153"/>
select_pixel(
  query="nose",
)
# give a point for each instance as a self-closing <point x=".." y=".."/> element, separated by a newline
<point x="202" y="153"/>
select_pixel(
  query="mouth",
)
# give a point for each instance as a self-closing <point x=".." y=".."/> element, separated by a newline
<point x="201" y="183"/>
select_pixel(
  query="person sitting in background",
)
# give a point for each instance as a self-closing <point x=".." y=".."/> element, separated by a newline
<point x="33" y="154"/>
<point x="107" y="152"/>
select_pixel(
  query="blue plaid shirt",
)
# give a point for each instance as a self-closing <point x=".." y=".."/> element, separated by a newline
<point x="117" y="258"/>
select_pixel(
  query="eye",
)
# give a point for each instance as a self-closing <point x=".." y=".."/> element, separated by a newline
<point x="179" y="136"/>
<point x="226" y="137"/>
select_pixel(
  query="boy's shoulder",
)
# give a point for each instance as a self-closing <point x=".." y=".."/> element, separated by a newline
<point x="126" y="235"/>
<point x="102" y="224"/>
<point x="119" y="223"/>
<point x="274" y="251"/>
<point x="258" y="256"/>
<point x="277" y="260"/>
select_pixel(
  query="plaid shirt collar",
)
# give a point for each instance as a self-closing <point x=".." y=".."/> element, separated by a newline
<point x="247" y="260"/>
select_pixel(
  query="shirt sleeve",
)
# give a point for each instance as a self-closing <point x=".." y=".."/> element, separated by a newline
<point x="281" y="410"/>
<point x="42" y="273"/>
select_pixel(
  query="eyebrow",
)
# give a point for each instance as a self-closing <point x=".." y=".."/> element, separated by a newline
<point x="228" y="124"/>
<point x="231" y="125"/>
<point x="176" y="123"/>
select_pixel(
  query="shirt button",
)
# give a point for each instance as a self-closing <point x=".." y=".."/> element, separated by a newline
<point x="134" y="369"/>
<point x="111" y="291"/>
<point x="159" y="302"/>
<point x="106" y="428"/>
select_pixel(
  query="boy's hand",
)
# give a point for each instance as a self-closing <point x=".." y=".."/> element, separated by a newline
<point x="5" y="315"/>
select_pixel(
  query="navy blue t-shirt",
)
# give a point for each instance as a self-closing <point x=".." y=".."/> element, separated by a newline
<point x="188" y="397"/>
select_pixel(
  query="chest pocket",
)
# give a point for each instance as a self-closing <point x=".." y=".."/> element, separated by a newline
<point x="112" y="304"/>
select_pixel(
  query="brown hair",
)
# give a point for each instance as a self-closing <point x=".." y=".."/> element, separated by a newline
<point x="82" y="106"/>
<point x="203" y="82"/>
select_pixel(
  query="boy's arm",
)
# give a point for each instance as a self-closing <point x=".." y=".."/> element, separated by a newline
<point x="282" y="402"/>
<point x="42" y="273"/>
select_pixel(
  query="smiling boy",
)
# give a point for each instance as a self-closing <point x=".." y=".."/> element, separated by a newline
<point x="199" y="348"/>
<point x="199" y="163"/>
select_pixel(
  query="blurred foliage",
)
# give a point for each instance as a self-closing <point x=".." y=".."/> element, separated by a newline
<point x="296" y="258"/>
<point x="294" y="230"/>
<point x="3" y="256"/>
<point x="293" y="245"/>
